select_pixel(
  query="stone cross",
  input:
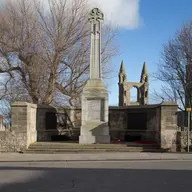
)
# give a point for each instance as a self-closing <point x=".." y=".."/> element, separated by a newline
<point x="95" y="17"/>
<point x="94" y="103"/>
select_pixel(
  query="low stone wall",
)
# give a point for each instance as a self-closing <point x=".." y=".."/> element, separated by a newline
<point x="2" y="127"/>
<point x="23" y="131"/>
<point x="28" y="125"/>
<point x="42" y="133"/>
<point x="75" y="116"/>
<point x="8" y="141"/>
<point x="182" y="140"/>
<point x="120" y="126"/>
<point x="118" y="121"/>
<point x="161" y="123"/>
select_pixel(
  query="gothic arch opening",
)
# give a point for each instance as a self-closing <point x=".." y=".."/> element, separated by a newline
<point x="134" y="91"/>
<point x="146" y="93"/>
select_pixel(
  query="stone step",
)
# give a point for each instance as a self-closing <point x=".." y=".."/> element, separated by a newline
<point x="63" y="151"/>
<point x="89" y="147"/>
<point x="61" y="147"/>
<point x="76" y="145"/>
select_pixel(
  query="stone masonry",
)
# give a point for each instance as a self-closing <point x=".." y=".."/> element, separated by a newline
<point x="42" y="133"/>
<point x="23" y="131"/>
<point x="2" y="127"/>
<point x="161" y="125"/>
<point x="168" y="131"/>
<point x="125" y="87"/>
<point x="94" y="127"/>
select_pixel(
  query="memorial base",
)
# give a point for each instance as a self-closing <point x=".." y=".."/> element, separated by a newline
<point x="89" y="139"/>
<point x="94" y="127"/>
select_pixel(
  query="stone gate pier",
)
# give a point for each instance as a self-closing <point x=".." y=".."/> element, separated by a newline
<point x="23" y="128"/>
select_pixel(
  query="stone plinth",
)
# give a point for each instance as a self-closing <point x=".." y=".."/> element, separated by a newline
<point x="94" y="128"/>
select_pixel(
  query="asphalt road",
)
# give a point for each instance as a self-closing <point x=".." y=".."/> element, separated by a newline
<point x="144" y="176"/>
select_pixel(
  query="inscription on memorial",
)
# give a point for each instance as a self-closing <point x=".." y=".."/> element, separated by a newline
<point x="93" y="109"/>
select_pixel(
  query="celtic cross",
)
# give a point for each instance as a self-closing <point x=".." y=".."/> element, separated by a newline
<point x="95" y="17"/>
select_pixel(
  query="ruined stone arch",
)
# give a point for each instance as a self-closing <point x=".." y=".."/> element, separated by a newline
<point x="126" y="86"/>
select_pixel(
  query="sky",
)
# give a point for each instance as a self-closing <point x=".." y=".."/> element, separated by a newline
<point x="144" y="26"/>
<point x="158" y="22"/>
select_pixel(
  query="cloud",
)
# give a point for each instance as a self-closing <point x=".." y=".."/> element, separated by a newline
<point x="122" y="13"/>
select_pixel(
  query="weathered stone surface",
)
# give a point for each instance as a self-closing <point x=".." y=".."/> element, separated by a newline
<point x="41" y="115"/>
<point x="74" y="114"/>
<point x="2" y="127"/>
<point x="94" y="109"/>
<point x="95" y="124"/>
<point x="23" y="128"/>
<point x="125" y="87"/>
<point x="94" y="128"/>
<point x="42" y="133"/>
<point x="161" y="127"/>
<point x="182" y="140"/>
<point x="168" y="129"/>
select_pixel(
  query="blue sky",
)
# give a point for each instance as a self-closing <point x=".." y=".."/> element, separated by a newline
<point x="145" y="25"/>
<point x="160" y="19"/>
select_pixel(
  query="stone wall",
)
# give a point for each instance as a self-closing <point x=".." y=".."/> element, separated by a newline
<point x="2" y="127"/>
<point x="182" y="133"/>
<point x="8" y="142"/>
<point x="28" y="125"/>
<point x="23" y="130"/>
<point x="119" y="122"/>
<point x="182" y="140"/>
<point x="42" y="133"/>
<point x="168" y="128"/>
<point x="75" y="117"/>
<point x="161" y="123"/>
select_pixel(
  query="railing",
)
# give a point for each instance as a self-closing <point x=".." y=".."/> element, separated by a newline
<point x="62" y="123"/>
<point x="69" y="124"/>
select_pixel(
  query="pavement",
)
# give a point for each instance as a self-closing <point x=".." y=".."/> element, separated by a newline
<point x="109" y="156"/>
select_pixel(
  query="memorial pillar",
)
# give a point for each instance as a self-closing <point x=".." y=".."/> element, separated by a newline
<point x="94" y="127"/>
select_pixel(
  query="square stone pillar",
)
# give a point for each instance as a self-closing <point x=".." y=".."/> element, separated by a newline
<point x="23" y="116"/>
<point x="168" y="126"/>
<point x="94" y="127"/>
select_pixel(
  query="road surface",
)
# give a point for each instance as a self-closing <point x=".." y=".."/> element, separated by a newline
<point x="90" y="176"/>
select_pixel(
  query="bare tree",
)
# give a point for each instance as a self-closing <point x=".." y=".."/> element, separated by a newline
<point x="174" y="69"/>
<point x="45" y="51"/>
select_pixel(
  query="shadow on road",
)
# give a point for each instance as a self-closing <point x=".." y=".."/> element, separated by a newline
<point x="33" y="179"/>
